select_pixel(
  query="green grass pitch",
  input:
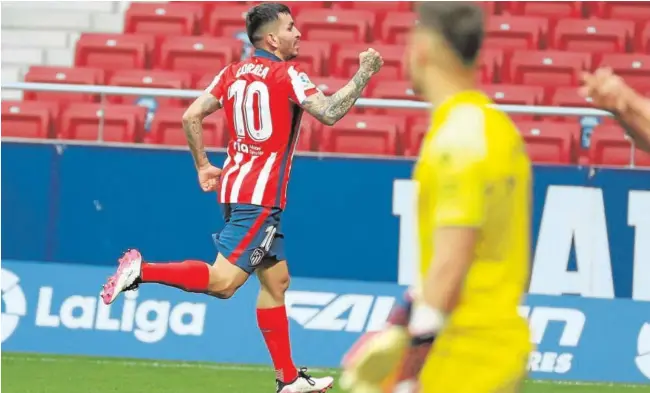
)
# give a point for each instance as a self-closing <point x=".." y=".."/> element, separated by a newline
<point x="34" y="373"/>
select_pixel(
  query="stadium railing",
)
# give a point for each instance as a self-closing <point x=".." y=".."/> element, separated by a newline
<point x="104" y="91"/>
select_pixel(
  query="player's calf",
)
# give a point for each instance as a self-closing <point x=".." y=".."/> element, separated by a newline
<point x="220" y="280"/>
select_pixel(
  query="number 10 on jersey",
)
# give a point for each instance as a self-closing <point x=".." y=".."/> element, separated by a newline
<point x="251" y="111"/>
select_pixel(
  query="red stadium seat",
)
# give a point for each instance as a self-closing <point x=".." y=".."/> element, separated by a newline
<point x="330" y="85"/>
<point x="385" y="7"/>
<point x="395" y="27"/>
<point x="415" y="135"/>
<point x="550" y="142"/>
<point x="114" y="51"/>
<point x="548" y="68"/>
<point x="167" y="128"/>
<point x="77" y="76"/>
<point x="346" y="61"/>
<point x="298" y="7"/>
<point x="198" y="55"/>
<point x="342" y="26"/>
<point x="27" y="119"/>
<point x="396" y="90"/>
<point x="514" y="94"/>
<point x="515" y="32"/>
<point x="199" y="8"/>
<point x="610" y="146"/>
<point x="551" y="9"/>
<point x="643" y="41"/>
<point x="630" y="10"/>
<point x="362" y="134"/>
<point x="161" y="19"/>
<point x="226" y="20"/>
<point x="314" y="56"/>
<point x="592" y="35"/>
<point x="633" y="67"/>
<point x="150" y="79"/>
<point x="308" y="133"/>
<point x="377" y="6"/>
<point x="122" y="123"/>
<point x="203" y="82"/>
<point x="568" y="96"/>
<point x="492" y="65"/>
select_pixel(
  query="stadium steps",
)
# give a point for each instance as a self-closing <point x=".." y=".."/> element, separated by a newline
<point x="45" y="33"/>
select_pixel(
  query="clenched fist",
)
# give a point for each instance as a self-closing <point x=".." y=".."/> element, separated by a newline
<point x="209" y="177"/>
<point x="371" y="61"/>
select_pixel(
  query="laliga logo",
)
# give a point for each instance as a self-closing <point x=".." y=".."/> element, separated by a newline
<point x="643" y="346"/>
<point x="14" y="302"/>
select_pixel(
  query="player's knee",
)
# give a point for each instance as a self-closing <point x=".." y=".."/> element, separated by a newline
<point x="278" y="287"/>
<point x="225" y="280"/>
<point x="224" y="288"/>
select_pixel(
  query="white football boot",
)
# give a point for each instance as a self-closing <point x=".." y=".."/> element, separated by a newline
<point x="305" y="383"/>
<point x="126" y="278"/>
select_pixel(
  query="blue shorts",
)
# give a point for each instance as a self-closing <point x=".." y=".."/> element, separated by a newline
<point x="252" y="236"/>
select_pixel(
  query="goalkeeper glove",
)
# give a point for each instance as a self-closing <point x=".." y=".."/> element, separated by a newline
<point x="390" y="361"/>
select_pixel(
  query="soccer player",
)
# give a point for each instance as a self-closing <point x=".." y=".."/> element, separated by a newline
<point x="459" y="330"/>
<point x="611" y="93"/>
<point x="264" y="98"/>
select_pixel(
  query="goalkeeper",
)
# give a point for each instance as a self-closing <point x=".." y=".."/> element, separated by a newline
<point x="459" y="330"/>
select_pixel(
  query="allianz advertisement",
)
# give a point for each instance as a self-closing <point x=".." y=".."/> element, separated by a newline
<point x="55" y="308"/>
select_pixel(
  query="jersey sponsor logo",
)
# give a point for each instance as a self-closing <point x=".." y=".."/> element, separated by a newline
<point x="13" y="301"/>
<point x="542" y="320"/>
<point x="573" y="221"/>
<point x="246" y="148"/>
<point x="643" y="350"/>
<point x="332" y="312"/>
<point x="149" y="320"/>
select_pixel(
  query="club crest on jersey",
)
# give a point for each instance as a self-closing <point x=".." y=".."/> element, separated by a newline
<point x="256" y="256"/>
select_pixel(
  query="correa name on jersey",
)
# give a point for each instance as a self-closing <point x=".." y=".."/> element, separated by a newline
<point x="258" y="70"/>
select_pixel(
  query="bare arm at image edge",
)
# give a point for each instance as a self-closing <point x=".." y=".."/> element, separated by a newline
<point x="610" y="92"/>
<point x="635" y="118"/>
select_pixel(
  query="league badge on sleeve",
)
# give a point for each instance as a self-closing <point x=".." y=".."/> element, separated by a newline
<point x="307" y="84"/>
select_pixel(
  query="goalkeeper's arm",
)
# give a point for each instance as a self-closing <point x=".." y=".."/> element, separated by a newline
<point x="424" y="312"/>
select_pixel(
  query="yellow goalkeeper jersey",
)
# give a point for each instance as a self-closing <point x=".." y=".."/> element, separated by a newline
<point x="473" y="171"/>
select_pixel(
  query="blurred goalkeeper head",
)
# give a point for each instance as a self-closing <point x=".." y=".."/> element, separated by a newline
<point x="443" y="48"/>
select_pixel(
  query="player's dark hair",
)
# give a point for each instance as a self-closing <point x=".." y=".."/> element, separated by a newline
<point x="461" y="24"/>
<point x="261" y="15"/>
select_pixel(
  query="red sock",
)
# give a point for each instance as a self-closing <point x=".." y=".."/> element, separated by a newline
<point x="274" y="325"/>
<point x="191" y="276"/>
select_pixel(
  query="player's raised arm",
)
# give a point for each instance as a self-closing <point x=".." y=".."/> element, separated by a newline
<point x="329" y="110"/>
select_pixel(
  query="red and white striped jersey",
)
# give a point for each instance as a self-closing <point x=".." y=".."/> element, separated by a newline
<point x="262" y="97"/>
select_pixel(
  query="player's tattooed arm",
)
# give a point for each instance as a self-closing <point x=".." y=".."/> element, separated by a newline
<point x="329" y="110"/>
<point x="193" y="117"/>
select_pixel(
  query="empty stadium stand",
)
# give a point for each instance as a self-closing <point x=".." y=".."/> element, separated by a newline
<point x="534" y="53"/>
